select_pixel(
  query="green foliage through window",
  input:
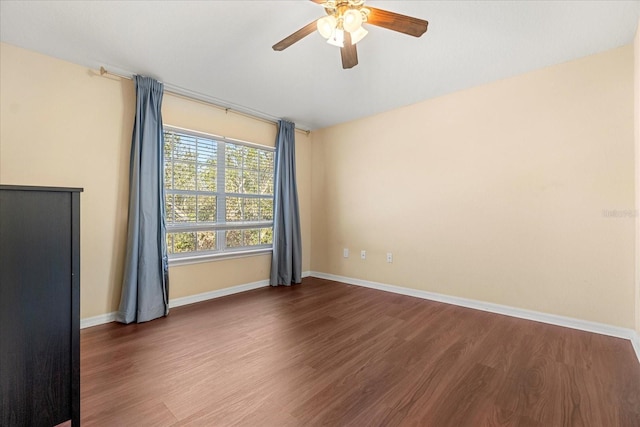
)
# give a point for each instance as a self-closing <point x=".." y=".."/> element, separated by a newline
<point x="218" y="194"/>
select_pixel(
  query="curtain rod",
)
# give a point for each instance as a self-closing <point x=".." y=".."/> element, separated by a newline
<point x="194" y="96"/>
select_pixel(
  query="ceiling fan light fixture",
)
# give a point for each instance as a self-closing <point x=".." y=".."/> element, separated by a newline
<point x="352" y="20"/>
<point x="337" y="38"/>
<point x="358" y="35"/>
<point x="327" y="26"/>
<point x="350" y="16"/>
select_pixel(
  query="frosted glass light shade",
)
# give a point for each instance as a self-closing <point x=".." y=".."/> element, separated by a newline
<point x="352" y="20"/>
<point x="337" y="38"/>
<point x="326" y="26"/>
<point x="358" y="35"/>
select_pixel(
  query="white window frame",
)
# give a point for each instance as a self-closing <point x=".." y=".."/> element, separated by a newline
<point x="220" y="226"/>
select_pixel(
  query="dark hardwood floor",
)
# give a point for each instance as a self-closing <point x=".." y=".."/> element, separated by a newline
<point x="326" y="353"/>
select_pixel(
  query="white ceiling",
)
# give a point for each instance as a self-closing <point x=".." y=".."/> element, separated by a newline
<point x="221" y="50"/>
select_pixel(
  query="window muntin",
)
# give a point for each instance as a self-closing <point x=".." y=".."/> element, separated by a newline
<point x="218" y="194"/>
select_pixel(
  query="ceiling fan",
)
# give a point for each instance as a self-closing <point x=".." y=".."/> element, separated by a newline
<point x="342" y="26"/>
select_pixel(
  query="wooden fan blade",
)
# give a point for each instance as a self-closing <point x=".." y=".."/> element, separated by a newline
<point x="319" y="1"/>
<point x="396" y="22"/>
<point x="295" y="37"/>
<point x="348" y="52"/>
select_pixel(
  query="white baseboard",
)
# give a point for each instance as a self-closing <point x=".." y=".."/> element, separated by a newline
<point x="191" y="299"/>
<point x="552" y="319"/>
<point x="635" y="342"/>
<point x="87" y="322"/>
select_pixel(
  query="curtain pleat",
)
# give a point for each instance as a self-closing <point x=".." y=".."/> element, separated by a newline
<point x="286" y="262"/>
<point x="145" y="287"/>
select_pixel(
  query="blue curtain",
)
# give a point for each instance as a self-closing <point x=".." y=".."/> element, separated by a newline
<point x="145" y="287"/>
<point x="286" y="263"/>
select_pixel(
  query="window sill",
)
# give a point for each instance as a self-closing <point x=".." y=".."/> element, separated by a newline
<point x="197" y="259"/>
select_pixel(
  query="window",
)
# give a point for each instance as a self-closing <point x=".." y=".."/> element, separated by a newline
<point x="218" y="194"/>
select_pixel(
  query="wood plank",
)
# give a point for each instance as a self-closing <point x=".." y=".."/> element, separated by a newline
<point x="326" y="353"/>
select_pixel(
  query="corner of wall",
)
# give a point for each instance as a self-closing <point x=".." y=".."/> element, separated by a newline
<point x="636" y="75"/>
<point x="318" y="203"/>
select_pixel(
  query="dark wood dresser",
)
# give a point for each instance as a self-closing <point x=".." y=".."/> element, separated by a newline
<point x="39" y="306"/>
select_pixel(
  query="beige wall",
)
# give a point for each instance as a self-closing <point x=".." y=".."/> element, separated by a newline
<point x="64" y="125"/>
<point x="495" y="193"/>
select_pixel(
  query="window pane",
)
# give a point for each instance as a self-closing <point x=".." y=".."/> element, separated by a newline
<point x="251" y="159"/>
<point x="234" y="209"/>
<point x="184" y="242"/>
<point x="266" y="209"/>
<point x="191" y="173"/>
<point x="207" y="151"/>
<point x="184" y="148"/>
<point x="234" y="238"/>
<point x="266" y="161"/>
<point x="184" y="208"/>
<point x="250" y="182"/>
<point x="232" y="180"/>
<point x="169" y="243"/>
<point x="184" y="176"/>
<point x="266" y="184"/>
<point x="206" y="240"/>
<point x="206" y="177"/>
<point x="266" y="236"/>
<point x="169" y="140"/>
<point x="251" y="209"/>
<point x="251" y="237"/>
<point x="168" y="208"/>
<point x="206" y="208"/>
<point x="233" y="156"/>
<point x="168" y="175"/>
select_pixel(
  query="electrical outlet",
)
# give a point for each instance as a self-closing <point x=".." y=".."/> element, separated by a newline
<point x="389" y="257"/>
<point x="363" y="254"/>
<point x="345" y="252"/>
